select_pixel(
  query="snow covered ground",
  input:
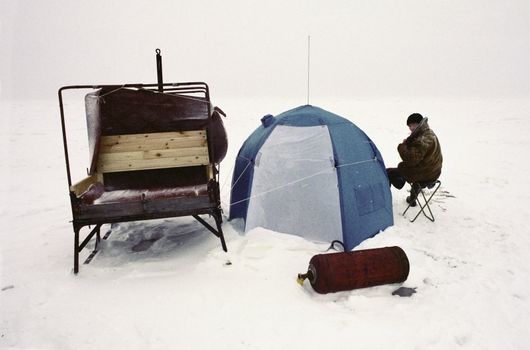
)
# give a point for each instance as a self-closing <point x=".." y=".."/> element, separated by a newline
<point x="167" y="284"/>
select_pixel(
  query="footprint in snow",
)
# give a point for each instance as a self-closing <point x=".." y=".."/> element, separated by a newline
<point x="145" y="244"/>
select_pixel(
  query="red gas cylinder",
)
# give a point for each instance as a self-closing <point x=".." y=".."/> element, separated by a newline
<point x="335" y="272"/>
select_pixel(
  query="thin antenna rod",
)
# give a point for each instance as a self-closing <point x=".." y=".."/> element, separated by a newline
<point x="159" y="70"/>
<point x="308" y="63"/>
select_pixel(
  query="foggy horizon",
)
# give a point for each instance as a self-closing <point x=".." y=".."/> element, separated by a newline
<point x="249" y="48"/>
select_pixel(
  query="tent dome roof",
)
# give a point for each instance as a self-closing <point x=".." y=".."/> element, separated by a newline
<point x="283" y="149"/>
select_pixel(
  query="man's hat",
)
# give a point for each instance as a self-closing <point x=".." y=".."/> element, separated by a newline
<point x="414" y="118"/>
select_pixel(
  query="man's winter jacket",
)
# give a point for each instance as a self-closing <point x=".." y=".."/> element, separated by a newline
<point x="421" y="155"/>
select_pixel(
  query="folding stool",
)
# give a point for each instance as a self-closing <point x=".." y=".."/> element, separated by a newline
<point x="422" y="185"/>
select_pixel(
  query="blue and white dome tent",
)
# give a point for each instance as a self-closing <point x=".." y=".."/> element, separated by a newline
<point x="314" y="174"/>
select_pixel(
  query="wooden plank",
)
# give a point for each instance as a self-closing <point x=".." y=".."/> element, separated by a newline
<point x="154" y="144"/>
<point x="82" y="186"/>
<point x="144" y="164"/>
<point x="154" y="154"/>
<point x="153" y="151"/>
<point x="134" y="138"/>
<point x="107" y="157"/>
<point x="179" y="152"/>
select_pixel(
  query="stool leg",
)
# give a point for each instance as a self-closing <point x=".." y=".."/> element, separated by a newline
<point x="426" y="201"/>
<point x="422" y="207"/>
<point x="406" y="210"/>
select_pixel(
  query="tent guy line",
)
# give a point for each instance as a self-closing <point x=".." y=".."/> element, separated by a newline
<point x="235" y="183"/>
<point x="295" y="181"/>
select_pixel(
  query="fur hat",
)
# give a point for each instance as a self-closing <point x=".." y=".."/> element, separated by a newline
<point x="414" y="118"/>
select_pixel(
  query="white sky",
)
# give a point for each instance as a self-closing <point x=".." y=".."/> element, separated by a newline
<point x="259" y="48"/>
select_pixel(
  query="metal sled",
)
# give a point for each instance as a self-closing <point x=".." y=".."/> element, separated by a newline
<point x="154" y="153"/>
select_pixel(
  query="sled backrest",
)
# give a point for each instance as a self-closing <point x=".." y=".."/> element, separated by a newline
<point x="140" y="138"/>
<point x="165" y="159"/>
<point x="152" y="151"/>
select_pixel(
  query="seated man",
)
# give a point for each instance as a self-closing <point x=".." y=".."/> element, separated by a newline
<point x="421" y="155"/>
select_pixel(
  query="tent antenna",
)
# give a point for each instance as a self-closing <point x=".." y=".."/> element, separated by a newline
<point x="308" y="63"/>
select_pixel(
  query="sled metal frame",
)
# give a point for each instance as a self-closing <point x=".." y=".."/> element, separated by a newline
<point x="213" y="208"/>
<point x="425" y="205"/>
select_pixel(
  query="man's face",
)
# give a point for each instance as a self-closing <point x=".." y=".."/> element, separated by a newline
<point x="413" y="126"/>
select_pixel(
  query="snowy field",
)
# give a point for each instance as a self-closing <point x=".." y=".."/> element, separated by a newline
<point x="166" y="284"/>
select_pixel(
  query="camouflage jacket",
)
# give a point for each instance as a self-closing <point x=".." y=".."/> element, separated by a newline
<point x="421" y="155"/>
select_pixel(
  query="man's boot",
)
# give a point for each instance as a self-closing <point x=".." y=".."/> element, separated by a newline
<point x="415" y="189"/>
